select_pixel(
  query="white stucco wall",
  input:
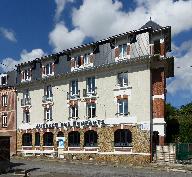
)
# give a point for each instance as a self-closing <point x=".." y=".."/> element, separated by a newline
<point x="138" y="100"/>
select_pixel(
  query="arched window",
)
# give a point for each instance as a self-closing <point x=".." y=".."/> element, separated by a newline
<point x="90" y="138"/>
<point x="27" y="139"/>
<point x="60" y="134"/>
<point x="48" y="139"/>
<point x="123" y="138"/>
<point x="37" y="139"/>
<point x="74" y="139"/>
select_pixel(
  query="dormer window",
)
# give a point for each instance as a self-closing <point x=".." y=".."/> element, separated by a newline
<point x="4" y="80"/>
<point x="26" y="75"/>
<point x="123" y="50"/>
<point x="48" y="69"/>
<point x="86" y="59"/>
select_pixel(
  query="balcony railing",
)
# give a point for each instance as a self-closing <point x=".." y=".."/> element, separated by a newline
<point x="71" y="96"/>
<point x="92" y="93"/>
<point x="26" y="102"/>
<point x="47" y="98"/>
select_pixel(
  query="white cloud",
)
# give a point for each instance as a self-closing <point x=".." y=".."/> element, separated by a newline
<point x="183" y="70"/>
<point x="8" y="34"/>
<point x="100" y="18"/>
<point x="60" y="5"/>
<point x="8" y="64"/>
<point x="61" y="38"/>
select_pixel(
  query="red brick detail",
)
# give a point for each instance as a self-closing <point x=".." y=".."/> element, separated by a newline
<point x="128" y="49"/>
<point x="158" y="81"/>
<point x="119" y="97"/>
<point x="82" y="62"/>
<point x="125" y="96"/>
<point x="158" y="108"/>
<point x="162" y="49"/>
<point x="161" y="140"/>
<point x="73" y="102"/>
<point x="91" y="58"/>
<point x="117" y="52"/>
<point x="88" y="100"/>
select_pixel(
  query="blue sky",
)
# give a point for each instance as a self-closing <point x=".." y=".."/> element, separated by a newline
<point x="30" y="29"/>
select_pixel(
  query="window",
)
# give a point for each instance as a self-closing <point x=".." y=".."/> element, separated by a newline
<point x="90" y="138"/>
<point x="26" y="94"/>
<point x="26" y="117"/>
<point x="27" y="74"/>
<point x="122" y="138"/>
<point x="27" y="139"/>
<point x="91" y="85"/>
<point x="157" y="47"/>
<point x="123" y="50"/>
<point x="4" y="120"/>
<point x="86" y="59"/>
<point x="77" y="61"/>
<point x="122" y="107"/>
<point x="73" y="111"/>
<point x="4" y="100"/>
<point x="74" y="139"/>
<point x="37" y="139"/>
<point x="4" y="80"/>
<point x="48" y="91"/>
<point x="91" y="110"/>
<point x="48" y="139"/>
<point x="122" y="79"/>
<point x="74" y="87"/>
<point x="48" y="114"/>
<point x="48" y="69"/>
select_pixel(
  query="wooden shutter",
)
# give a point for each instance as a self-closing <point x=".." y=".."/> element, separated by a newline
<point x="128" y="48"/>
<point x="117" y="52"/>
<point x="82" y="62"/>
<point x="43" y="69"/>
<point x="91" y="58"/>
<point x="72" y="63"/>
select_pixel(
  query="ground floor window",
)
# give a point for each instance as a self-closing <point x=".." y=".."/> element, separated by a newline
<point x="4" y="120"/>
<point x="90" y="138"/>
<point x="37" y="139"/>
<point x="27" y="139"/>
<point x="48" y="114"/>
<point x="48" y="139"/>
<point x="122" y="138"/>
<point x="91" y="110"/>
<point x="26" y="117"/>
<point x="74" y="139"/>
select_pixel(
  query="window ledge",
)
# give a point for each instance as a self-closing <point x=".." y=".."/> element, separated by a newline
<point x="122" y="88"/>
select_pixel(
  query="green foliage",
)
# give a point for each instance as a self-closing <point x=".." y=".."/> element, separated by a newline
<point x="179" y="124"/>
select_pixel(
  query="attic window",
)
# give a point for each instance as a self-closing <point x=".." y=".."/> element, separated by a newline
<point x="157" y="47"/>
<point x="4" y="80"/>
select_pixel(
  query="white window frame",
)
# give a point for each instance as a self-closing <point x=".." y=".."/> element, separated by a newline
<point x="4" y="77"/>
<point x="4" y="100"/>
<point x="74" y="108"/>
<point x="26" y="74"/>
<point x="76" y="60"/>
<point x="75" y="88"/>
<point x="25" y="119"/>
<point x="49" y="91"/>
<point x="86" y="59"/>
<point x="91" y="86"/>
<point x="91" y="105"/>
<point x="124" y="84"/>
<point x="50" y="69"/>
<point x="48" y="114"/>
<point x="122" y="51"/>
<point x="122" y="101"/>
<point x="4" y="121"/>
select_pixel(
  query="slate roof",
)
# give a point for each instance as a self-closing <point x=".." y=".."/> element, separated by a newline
<point x="151" y="24"/>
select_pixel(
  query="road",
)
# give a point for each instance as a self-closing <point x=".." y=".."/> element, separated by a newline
<point x="61" y="168"/>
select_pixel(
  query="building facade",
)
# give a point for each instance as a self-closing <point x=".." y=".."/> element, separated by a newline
<point x="103" y="100"/>
<point x="8" y="109"/>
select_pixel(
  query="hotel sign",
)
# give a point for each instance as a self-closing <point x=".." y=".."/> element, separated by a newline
<point x="70" y="124"/>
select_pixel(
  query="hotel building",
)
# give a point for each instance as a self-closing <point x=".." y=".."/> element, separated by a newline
<point x="103" y="100"/>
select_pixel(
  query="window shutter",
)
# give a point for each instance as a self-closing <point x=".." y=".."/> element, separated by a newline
<point x="53" y="67"/>
<point x="72" y="63"/>
<point x="117" y="52"/>
<point x="128" y="48"/>
<point x="91" y="58"/>
<point x="43" y="69"/>
<point x="22" y="75"/>
<point x="82" y="60"/>
<point x="162" y="48"/>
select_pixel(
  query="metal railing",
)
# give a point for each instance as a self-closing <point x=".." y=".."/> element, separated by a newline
<point x="71" y="95"/>
<point x="26" y="102"/>
<point x="47" y="98"/>
<point x="91" y="93"/>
